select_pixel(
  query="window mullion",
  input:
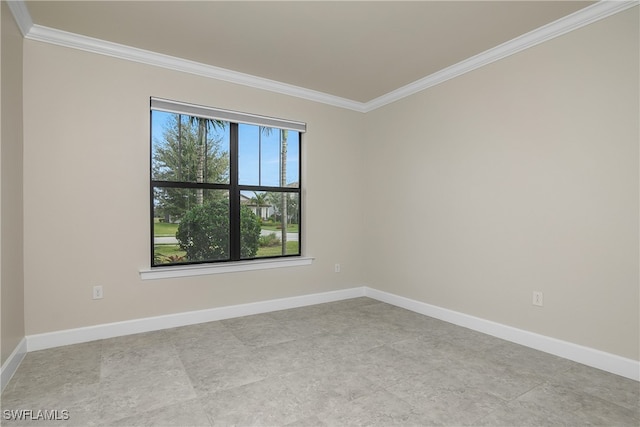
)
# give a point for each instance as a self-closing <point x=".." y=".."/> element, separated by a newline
<point x="234" y="194"/>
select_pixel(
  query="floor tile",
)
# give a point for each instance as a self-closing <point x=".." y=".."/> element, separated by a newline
<point x="300" y="313"/>
<point x="519" y="414"/>
<point x="445" y="401"/>
<point x="130" y="395"/>
<point x="222" y="373"/>
<point x="82" y="403"/>
<point x="604" y="413"/>
<point x="295" y="355"/>
<point x="320" y="309"/>
<point x="379" y="408"/>
<point x="384" y="366"/>
<point x="312" y="421"/>
<point x="324" y="386"/>
<point x="558" y="405"/>
<point x="590" y="410"/>
<point x="302" y="327"/>
<point x="526" y="361"/>
<point x="497" y="380"/>
<point x="204" y="342"/>
<point x="50" y="371"/>
<point x="187" y="413"/>
<point x="347" y="363"/>
<point x="400" y="317"/>
<point x="120" y="361"/>
<point x="268" y="402"/>
<point x="349" y="304"/>
<point x="613" y="388"/>
<point x="259" y="330"/>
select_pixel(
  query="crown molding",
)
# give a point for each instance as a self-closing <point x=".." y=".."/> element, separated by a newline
<point x="586" y="16"/>
<point x="116" y="50"/>
<point x="581" y="18"/>
<point x="21" y="15"/>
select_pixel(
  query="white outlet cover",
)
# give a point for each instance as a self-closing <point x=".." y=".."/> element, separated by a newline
<point x="97" y="292"/>
<point x="538" y="299"/>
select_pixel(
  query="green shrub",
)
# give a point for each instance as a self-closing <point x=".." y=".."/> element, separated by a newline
<point x="269" y="240"/>
<point x="203" y="232"/>
<point x="249" y="232"/>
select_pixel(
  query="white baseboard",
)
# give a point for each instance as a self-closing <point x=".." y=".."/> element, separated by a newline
<point x="136" y="326"/>
<point x="588" y="356"/>
<point x="618" y="365"/>
<point x="10" y="366"/>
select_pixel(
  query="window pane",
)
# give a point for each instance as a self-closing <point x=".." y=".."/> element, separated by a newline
<point x="292" y="171"/>
<point x="248" y="155"/>
<point x="253" y="208"/>
<point x="268" y="207"/>
<point x="260" y="156"/>
<point x="189" y="149"/>
<point x="190" y="225"/>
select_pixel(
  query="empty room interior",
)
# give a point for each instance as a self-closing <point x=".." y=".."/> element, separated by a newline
<point x="456" y="241"/>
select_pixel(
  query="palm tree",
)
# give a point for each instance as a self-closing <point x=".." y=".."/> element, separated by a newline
<point x="203" y="127"/>
<point x="260" y="200"/>
<point x="175" y="157"/>
<point x="284" y="134"/>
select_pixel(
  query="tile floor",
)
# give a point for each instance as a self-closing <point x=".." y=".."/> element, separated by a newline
<point x="348" y="363"/>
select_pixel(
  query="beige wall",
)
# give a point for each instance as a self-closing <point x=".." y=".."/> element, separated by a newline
<point x="520" y="176"/>
<point x="87" y="188"/>
<point x="11" y="276"/>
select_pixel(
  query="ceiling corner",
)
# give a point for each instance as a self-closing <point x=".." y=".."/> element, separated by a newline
<point x="21" y="14"/>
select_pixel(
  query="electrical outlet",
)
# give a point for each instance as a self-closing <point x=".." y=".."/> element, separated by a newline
<point x="336" y="268"/>
<point x="97" y="292"/>
<point x="537" y="298"/>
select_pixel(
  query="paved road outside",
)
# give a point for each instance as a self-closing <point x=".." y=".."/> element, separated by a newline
<point x="291" y="237"/>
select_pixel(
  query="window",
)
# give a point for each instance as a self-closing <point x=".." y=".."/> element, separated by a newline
<point x="225" y="186"/>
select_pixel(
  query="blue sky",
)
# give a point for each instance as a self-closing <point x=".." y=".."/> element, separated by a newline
<point x="256" y="166"/>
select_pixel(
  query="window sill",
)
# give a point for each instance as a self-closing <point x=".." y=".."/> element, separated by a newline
<point x="201" y="270"/>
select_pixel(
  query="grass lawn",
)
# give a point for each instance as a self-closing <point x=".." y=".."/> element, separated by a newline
<point x="168" y="250"/>
<point x="292" y="248"/>
<point x="174" y="250"/>
<point x="164" y="229"/>
<point x="291" y="228"/>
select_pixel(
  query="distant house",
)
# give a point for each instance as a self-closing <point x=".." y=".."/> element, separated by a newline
<point x="264" y="210"/>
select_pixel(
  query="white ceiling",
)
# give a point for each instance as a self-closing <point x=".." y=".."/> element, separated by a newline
<point x="358" y="50"/>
